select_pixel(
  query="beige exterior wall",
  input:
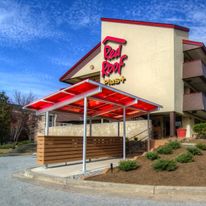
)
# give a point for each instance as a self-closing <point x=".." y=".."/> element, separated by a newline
<point x="105" y="129"/>
<point x="86" y="69"/>
<point x="178" y="69"/>
<point x="154" y="63"/>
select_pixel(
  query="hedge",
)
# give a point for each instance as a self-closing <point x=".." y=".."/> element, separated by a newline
<point x="200" y="129"/>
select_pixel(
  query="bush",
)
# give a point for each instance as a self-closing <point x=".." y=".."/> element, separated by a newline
<point x="201" y="146"/>
<point x="152" y="155"/>
<point x="127" y="165"/>
<point x="166" y="149"/>
<point x="174" y="144"/>
<point x="24" y="142"/>
<point x="194" y="150"/>
<point x="185" y="157"/>
<point x="7" y="146"/>
<point x="165" y="165"/>
<point x="200" y="129"/>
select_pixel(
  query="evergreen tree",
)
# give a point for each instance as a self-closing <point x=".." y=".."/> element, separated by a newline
<point x="5" y="118"/>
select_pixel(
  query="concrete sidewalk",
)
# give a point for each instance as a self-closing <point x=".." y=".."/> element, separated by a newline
<point x="69" y="177"/>
<point x="74" y="169"/>
<point x="120" y="189"/>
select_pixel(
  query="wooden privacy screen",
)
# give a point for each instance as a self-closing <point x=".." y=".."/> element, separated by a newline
<point x="57" y="149"/>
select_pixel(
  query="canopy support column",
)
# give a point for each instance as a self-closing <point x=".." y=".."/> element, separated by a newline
<point x="90" y="127"/>
<point x="124" y="133"/>
<point x="172" y="123"/>
<point x="84" y="136"/>
<point x="46" y="129"/>
<point x="148" y="129"/>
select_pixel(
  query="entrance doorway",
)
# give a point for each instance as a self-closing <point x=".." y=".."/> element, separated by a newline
<point x="161" y="125"/>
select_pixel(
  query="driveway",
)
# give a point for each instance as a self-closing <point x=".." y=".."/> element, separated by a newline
<point x="16" y="193"/>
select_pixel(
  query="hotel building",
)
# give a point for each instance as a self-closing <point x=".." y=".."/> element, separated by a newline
<point x="155" y="61"/>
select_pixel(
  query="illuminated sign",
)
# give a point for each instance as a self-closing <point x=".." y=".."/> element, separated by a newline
<point x="114" y="81"/>
<point x="109" y="65"/>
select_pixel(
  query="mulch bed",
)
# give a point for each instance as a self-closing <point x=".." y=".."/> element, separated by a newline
<point x="196" y="141"/>
<point x="187" y="174"/>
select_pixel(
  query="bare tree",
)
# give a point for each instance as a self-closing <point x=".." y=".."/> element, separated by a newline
<point x="22" y="120"/>
<point x="23" y="99"/>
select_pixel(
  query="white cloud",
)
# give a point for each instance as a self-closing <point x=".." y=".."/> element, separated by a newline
<point x="61" y="61"/>
<point x="189" y="13"/>
<point x="85" y="13"/>
<point x="20" y="23"/>
<point x="37" y="83"/>
<point x="33" y="20"/>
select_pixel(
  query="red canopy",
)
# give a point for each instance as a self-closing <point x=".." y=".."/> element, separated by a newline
<point x="103" y="101"/>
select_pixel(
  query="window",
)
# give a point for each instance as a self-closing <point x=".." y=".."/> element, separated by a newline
<point x="51" y="120"/>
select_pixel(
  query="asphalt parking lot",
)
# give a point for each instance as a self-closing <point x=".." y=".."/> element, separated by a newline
<point x="14" y="192"/>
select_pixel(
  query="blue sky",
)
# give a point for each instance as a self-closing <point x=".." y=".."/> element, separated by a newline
<point x="40" y="39"/>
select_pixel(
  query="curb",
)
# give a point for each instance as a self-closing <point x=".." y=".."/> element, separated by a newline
<point x="117" y="188"/>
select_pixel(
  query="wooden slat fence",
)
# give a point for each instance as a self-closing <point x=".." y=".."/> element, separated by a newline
<point x="60" y="149"/>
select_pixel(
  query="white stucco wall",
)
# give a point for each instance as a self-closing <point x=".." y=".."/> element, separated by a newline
<point x="103" y="129"/>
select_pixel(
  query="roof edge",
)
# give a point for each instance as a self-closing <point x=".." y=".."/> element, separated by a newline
<point x="62" y="78"/>
<point x="144" y="23"/>
<point x="196" y="43"/>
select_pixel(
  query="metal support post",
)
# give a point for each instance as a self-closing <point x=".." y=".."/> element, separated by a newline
<point x="148" y="128"/>
<point x="46" y="131"/>
<point x="124" y="132"/>
<point x="84" y="136"/>
<point x="90" y="127"/>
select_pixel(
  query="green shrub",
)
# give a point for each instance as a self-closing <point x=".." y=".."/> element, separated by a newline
<point x="127" y="165"/>
<point x="194" y="150"/>
<point x="24" y="142"/>
<point x="166" y="149"/>
<point x="200" y="129"/>
<point x="7" y="146"/>
<point x="185" y="157"/>
<point x="165" y="165"/>
<point x="201" y="146"/>
<point x="174" y="144"/>
<point x="152" y="155"/>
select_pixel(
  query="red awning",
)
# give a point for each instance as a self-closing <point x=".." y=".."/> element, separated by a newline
<point x="103" y="101"/>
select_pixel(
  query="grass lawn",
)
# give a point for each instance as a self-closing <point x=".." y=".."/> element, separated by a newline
<point x="24" y="147"/>
<point x="187" y="174"/>
<point x="4" y="151"/>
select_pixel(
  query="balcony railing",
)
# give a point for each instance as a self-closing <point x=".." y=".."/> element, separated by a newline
<point x="194" y="69"/>
<point x="194" y="74"/>
<point x="194" y="102"/>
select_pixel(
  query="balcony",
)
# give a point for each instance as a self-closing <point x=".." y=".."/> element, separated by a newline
<point x="194" y="52"/>
<point x="195" y="103"/>
<point x="194" y="74"/>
